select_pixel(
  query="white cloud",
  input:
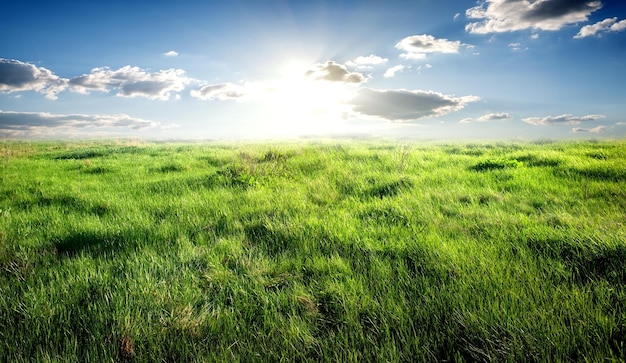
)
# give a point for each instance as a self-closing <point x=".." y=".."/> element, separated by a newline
<point x="497" y="16"/>
<point x="488" y="117"/>
<point x="170" y="126"/>
<point x="418" y="46"/>
<point x="334" y="72"/>
<point x="42" y="124"/>
<point x="516" y="47"/>
<point x="456" y="16"/>
<point x="171" y="53"/>
<point x="222" y="91"/>
<point x="20" y="76"/>
<point x="132" y="82"/>
<point x="391" y="72"/>
<point x="366" y="62"/>
<point x="607" y="25"/>
<point x="406" y="105"/>
<point x="595" y="130"/>
<point x="567" y="119"/>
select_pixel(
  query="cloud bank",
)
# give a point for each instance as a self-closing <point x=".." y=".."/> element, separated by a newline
<point x="566" y="119"/>
<point x="20" y="76"/>
<point x="334" y="72"/>
<point x="128" y="81"/>
<point x="132" y="82"/>
<point x="405" y="105"/>
<point x="608" y="25"/>
<point x="418" y="46"/>
<point x="498" y="16"/>
<point x="34" y="124"/>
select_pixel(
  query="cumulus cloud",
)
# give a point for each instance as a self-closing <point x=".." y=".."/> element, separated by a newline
<point x="595" y="130"/>
<point x="406" y="105"/>
<point x="171" y="53"/>
<point x="132" y="82"/>
<point x="20" y="76"/>
<point x="366" y="62"/>
<point x="222" y="91"/>
<point x="488" y="117"/>
<point x="608" y="25"/>
<point x="497" y="16"/>
<point x="561" y="119"/>
<point x="43" y="123"/>
<point x="418" y="46"/>
<point x="334" y="72"/>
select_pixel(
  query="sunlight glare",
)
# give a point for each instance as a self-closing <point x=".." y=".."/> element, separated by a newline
<point x="304" y="106"/>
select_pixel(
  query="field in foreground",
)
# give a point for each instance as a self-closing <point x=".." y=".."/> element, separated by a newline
<point x="351" y="251"/>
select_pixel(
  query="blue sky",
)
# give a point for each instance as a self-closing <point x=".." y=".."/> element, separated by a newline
<point x="494" y="69"/>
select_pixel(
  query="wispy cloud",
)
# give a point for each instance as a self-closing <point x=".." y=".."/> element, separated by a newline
<point x="406" y="105"/>
<point x="132" y="82"/>
<point x="418" y="46"/>
<point x="497" y="16"/>
<point x="608" y="25"/>
<point x="488" y="117"/>
<point x="20" y="76"/>
<point x="567" y="119"/>
<point x="38" y="124"/>
<point x="221" y="91"/>
<point x="391" y="72"/>
<point x="595" y="130"/>
<point x="516" y="47"/>
<point x="334" y="72"/>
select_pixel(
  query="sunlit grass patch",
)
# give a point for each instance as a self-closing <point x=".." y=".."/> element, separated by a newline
<point x="313" y="251"/>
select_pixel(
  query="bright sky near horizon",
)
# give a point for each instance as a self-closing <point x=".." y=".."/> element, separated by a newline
<point x="427" y="69"/>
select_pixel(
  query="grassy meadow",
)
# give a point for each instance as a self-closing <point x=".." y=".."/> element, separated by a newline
<point x="354" y="251"/>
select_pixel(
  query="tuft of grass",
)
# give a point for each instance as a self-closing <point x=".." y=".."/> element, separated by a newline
<point x="495" y="164"/>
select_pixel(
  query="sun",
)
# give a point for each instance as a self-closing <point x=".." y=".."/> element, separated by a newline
<point x="305" y="106"/>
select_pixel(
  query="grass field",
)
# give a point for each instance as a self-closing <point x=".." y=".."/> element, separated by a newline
<point x="313" y="251"/>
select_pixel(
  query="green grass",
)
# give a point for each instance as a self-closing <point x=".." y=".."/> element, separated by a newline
<point x="313" y="251"/>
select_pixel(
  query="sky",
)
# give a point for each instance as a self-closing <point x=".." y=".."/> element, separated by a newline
<point x="422" y="69"/>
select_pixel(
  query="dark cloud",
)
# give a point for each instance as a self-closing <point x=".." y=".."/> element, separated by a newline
<point x="404" y="105"/>
<point x="20" y="76"/>
<point x="132" y="82"/>
<point x="511" y="15"/>
<point x="554" y="9"/>
<point x="334" y="72"/>
<point x="42" y="123"/>
<point x="567" y="119"/>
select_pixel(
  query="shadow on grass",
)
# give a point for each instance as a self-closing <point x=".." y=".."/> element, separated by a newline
<point x="271" y="241"/>
<point x="96" y="243"/>
<point x="587" y="260"/>
<point x="67" y="202"/>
